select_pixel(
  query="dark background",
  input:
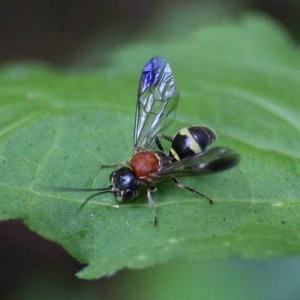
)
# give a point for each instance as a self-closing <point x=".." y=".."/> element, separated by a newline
<point x="56" y="32"/>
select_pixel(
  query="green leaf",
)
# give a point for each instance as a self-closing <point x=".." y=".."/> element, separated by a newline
<point x="57" y="129"/>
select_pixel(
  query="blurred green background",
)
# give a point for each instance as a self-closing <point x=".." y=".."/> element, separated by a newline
<point x="80" y="35"/>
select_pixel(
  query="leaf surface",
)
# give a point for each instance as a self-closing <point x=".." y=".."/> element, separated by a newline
<point x="57" y="128"/>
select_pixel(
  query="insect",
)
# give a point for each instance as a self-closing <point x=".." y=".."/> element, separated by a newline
<point x="189" y="153"/>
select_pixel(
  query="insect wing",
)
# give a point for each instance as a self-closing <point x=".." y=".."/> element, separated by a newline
<point x="213" y="160"/>
<point x="156" y="103"/>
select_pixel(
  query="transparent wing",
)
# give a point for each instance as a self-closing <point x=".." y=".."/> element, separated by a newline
<point x="213" y="160"/>
<point x="156" y="103"/>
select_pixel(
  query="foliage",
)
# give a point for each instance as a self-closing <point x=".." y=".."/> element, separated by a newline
<point x="57" y="128"/>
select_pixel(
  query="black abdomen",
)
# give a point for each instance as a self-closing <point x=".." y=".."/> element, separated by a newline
<point x="190" y="141"/>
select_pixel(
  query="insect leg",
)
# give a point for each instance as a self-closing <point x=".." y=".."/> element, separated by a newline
<point x="181" y="186"/>
<point x="151" y="190"/>
<point x="121" y="164"/>
<point x="159" y="145"/>
<point x="166" y="137"/>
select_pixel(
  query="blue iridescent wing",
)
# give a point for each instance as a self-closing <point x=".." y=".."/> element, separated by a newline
<point x="213" y="160"/>
<point x="156" y="103"/>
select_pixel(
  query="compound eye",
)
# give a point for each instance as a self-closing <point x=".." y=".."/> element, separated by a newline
<point x="111" y="176"/>
<point x="128" y="194"/>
